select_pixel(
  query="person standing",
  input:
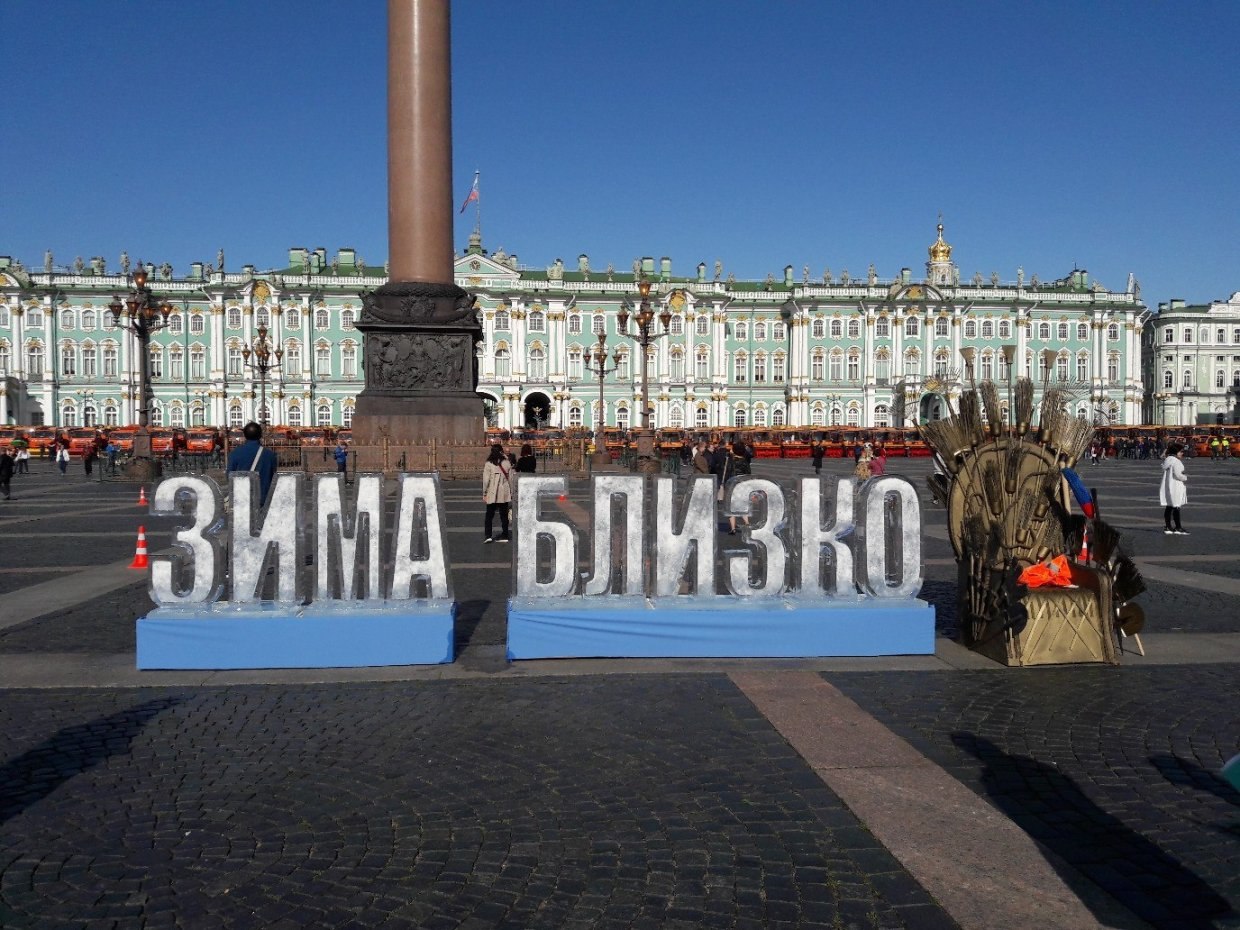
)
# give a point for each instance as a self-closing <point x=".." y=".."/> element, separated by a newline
<point x="62" y="456"/>
<point x="816" y="452"/>
<point x="701" y="459"/>
<point x="526" y="462"/>
<point x="878" y="462"/>
<point x="497" y="492"/>
<point x="252" y="456"/>
<point x="7" y="463"/>
<point x="23" y="460"/>
<point x="89" y="457"/>
<point x="342" y="458"/>
<point x="1173" y="491"/>
<point x="112" y="451"/>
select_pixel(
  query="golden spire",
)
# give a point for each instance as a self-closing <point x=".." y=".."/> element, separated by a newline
<point x="940" y="251"/>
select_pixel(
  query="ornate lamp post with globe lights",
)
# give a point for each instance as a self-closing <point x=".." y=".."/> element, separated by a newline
<point x="142" y="314"/>
<point x="260" y="359"/>
<point x="596" y="361"/>
<point x="646" y="460"/>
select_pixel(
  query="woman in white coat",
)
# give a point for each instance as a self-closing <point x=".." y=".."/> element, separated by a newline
<point x="497" y="491"/>
<point x="1173" y="492"/>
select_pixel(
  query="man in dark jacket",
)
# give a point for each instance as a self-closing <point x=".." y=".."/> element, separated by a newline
<point x="6" y="472"/>
<point x="251" y="456"/>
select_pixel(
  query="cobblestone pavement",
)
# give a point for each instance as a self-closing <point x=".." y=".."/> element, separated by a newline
<point x="1113" y="770"/>
<point x="600" y="802"/>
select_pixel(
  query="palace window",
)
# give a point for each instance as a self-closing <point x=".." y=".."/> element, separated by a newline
<point x="622" y="369"/>
<point x="678" y="366"/>
<point x="911" y="326"/>
<point x="837" y="368"/>
<point x="854" y="368"/>
<point x="89" y="362"/>
<point x="175" y="324"/>
<point x="292" y="360"/>
<point x="700" y="417"/>
<point x="882" y="415"/>
<point x="676" y="418"/>
<point x="503" y="363"/>
<point x="574" y="362"/>
<point x="66" y="319"/>
<point x="34" y="360"/>
<point x="324" y="417"/>
<point x="1062" y="332"/>
<point x="912" y="363"/>
<point x="854" y="416"/>
<point x="1168" y="379"/>
<point x="742" y="331"/>
<point x="1044" y="331"/>
<point x="970" y="329"/>
<point x="942" y="327"/>
<point x="294" y="415"/>
<point x="34" y="318"/>
<point x="882" y="369"/>
<point x="741" y="368"/>
<point x="234" y="317"/>
<point x="574" y="414"/>
<point x="1005" y="329"/>
<point x="622" y="417"/>
<point x="111" y="416"/>
<point x="738" y="418"/>
<point x="538" y="365"/>
<point x="817" y="416"/>
<point x="759" y="332"/>
<point x="1061" y="367"/>
<point x="817" y="367"/>
<point x="176" y="416"/>
<point x="1112" y="333"/>
<point x="348" y="361"/>
<point x="502" y="320"/>
<point x="778" y="332"/>
<point x="235" y="415"/>
<point x="988" y="367"/>
<point x="68" y="357"/>
<point x="292" y="318"/>
<point x="88" y="319"/>
<point x="703" y="325"/>
<point x="68" y="415"/>
<point x="346" y="319"/>
<point x="837" y="329"/>
<point x="1220" y="379"/>
<point x="759" y="368"/>
<point x="777" y="416"/>
<point x="701" y="365"/>
<point x="882" y="328"/>
<point x="759" y="416"/>
<point x="940" y="366"/>
<point x="5" y="358"/>
<point x="157" y="362"/>
<point x="1188" y="334"/>
<point x="262" y="317"/>
<point x="677" y="325"/>
<point x="1113" y="368"/>
<point x="574" y="324"/>
<point x="538" y="322"/>
<point x="323" y="360"/>
<point x="197" y="416"/>
<point x="778" y="366"/>
<point x="818" y="329"/>
<point x="599" y="325"/>
<point x="1188" y="378"/>
<point x="1082" y="368"/>
<point x="234" y="360"/>
<point x="1168" y="335"/>
<point x="197" y="324"/>
<point x="197" y="364"/>
<point x="1082" y="332"/>
<point x="322" y="319"/>
<point x="176" y="364"/>
<point x="988" y="329"/>
<point x="854" y="329"/>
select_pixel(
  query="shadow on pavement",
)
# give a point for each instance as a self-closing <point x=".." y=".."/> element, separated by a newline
<point x="1186" y="772"/>
<point x="35" y="774"/>
<point x="1048" y="806"/>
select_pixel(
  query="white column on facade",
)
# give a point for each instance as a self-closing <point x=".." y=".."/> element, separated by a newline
<point x="719" y="340"/>
<point x="520" y="350"/>
<point x="487" y="368"/>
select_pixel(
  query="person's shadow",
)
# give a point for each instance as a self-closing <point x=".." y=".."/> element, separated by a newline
<point x="1095" y="845"/>
<point x="1186" y="772"/>
<point x="36" y="773"/>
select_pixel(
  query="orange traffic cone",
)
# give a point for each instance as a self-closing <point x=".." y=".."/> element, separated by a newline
<point x="142" y="496"/>
<point x="1083" y="555"/>
<point x="139" y="557"/>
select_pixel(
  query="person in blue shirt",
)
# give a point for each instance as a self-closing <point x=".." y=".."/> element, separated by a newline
<point x="342" y="458"/>
<point x="251" y="456"/>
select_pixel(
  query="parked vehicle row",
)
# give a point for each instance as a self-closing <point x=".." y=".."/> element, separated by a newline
<point x="165" y="440"/>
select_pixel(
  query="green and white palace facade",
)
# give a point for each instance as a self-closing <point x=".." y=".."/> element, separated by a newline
<point x="789" y="350"/>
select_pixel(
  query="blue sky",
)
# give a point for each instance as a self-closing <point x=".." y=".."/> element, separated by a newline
<point x="1050" y="135"/>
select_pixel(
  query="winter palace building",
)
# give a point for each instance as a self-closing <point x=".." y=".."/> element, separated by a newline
<point x="787" y="350"/>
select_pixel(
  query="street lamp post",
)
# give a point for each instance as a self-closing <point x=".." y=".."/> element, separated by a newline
<point x="646" y="460"/>
<point x="596" y="361"/>
<point x="260" y="359"/>
<point x="142" y="314"/>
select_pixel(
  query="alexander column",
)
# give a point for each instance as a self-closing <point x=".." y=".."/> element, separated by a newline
<point x="420" y="328"/>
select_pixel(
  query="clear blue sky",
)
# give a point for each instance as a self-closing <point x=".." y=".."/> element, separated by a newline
<point x="1100" y="134"/>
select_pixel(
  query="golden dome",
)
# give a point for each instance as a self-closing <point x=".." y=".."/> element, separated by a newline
<point x="940" y="251"/>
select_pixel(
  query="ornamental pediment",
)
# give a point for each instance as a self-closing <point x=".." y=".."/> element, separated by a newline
<point x="480" y="266"/>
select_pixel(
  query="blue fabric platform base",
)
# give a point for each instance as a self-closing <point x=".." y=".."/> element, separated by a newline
<point x="682" y="627"/>
<point x="357" y="634"/>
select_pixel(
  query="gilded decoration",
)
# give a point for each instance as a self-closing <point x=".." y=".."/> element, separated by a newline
<point x="261" y="291"/>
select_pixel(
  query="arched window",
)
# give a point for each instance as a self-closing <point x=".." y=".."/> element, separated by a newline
<point x="622" y="417"/>
<point x="882" y="415"/>
<point x="235" y="415"/>
<point x="1112" y="333"/>
<point x="175" y="324"/>
<point x="111" y="416"/>
<point x="703" y="324"/>
<point x="882" y="368"/>
<point x="818" y="329"/>
<point x="234" y="359"/>
<point x="233" y="316"/>
<point x="346" y="319"/>
<point x="323" y="415"/>
<point x="66" y="321"/>
<point x="294" y="415"/>
<point x="322" y="319"/>
<point x="701" y="364"/>
<point x="1082" y="368"/>
<point x="912" y="362"/>
<point x="882" y="328"/>
<point x="346" y="416"/>
<point x="538" y="321"/>
<point x="1061" y="332"/>
<point x="538" y="364"/>
<point x="348" y="360"/>
<point x="292" y="318"/>
<point x="779" y="332"/>
<point x="503" y="362"/>
<point x="738" y="417"/>
<point x="1005" y="329"/>
<point x="197" y="415"/>
<point x="262" y="316"/>
<point x="1220" y="379"/>
<point x="1044" y="331"/>
<point x="574" y="324"/>
<point x="854" y="416"/>
<point x="599" y="325"/>
<point x="6" y="359"/>
<point x="574" y="414"/>
<point x="157" y="415"/>
<point x="1188" y="378"/>
<point x="1168" y="379"/>
<point x="817" y="366"/>
<point x="676" y="418"/>
<point x="759" y="416"/>
<point x="942" y="327"/>
<point x="854" y="329"/>
<point x="988" y="329"/>
<point x="837" y="416"/>
<point x="197" y="324"/>
<point x="677" y="365"/>
<point x="323" y="360"/>
<point x="677" y="325"/>
<point x="68" y="415"/>
<point x="502" y="320"/>
<point x="777" y="416"/>
<point x="837" y="329"/>
<point x="88" y="319"/>
<point x="701" y="418"/>
<point x="176" y="416"/>
<point x="817" y="416"/>
<point x="759" y="332"/>
<point x="742" y="331"/>
<point x="741" y="367"/>
<point x="911" y="326"/>
<point x="970" y="329"/>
